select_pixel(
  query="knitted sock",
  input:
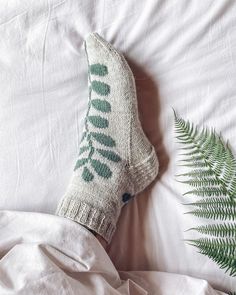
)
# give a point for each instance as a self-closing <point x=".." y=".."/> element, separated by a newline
<point x="116" y="160"/>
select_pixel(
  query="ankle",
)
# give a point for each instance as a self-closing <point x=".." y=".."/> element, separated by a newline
<point x="102" y="241"/>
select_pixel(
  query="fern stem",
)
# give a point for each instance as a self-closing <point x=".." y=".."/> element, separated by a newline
<point x="88" y="137"/>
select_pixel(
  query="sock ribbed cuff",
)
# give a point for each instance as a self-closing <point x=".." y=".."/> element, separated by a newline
<point x="87" y="215"/>
<point x="104" y="223"/>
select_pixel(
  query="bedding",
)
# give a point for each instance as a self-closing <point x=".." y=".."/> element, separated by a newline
<point x="45" y="254"/>
<point x="182" y="55"/>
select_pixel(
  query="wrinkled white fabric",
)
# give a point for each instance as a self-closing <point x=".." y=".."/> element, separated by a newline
<point x="45" y="254"/>
<point x="182" y="54"/>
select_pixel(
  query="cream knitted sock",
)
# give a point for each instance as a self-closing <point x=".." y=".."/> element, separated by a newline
<point x="116" y="160"/>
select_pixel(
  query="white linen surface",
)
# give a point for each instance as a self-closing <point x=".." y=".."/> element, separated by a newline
<point x="182" y="54"/>
<point x="45" y="254"/>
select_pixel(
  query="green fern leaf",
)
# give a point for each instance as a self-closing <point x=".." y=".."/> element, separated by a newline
<point x="222" y="251"/>
<point x="197" y="157"/>
<point x="218" y="213"/>
<point x="207" y="192"/>
<point x="196" y="164"/>
<point x="213" y="203"/>
<point x="224" y="230"/>
<point x="198" y="173"/>
<point x="202" y="182"/>
<point x="193" y="152"/>
<point x="212" y="173"/>
<point x="190" y="147"/>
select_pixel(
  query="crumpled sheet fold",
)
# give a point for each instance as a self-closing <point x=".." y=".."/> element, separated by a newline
<point x="46" y="254"/>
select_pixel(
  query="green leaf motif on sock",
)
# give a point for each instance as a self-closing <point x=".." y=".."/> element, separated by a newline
<point x="103" y="139"/>
<point x="100" y="87"/>
<point x="80" y="162"/>
<point x="83" y="149"/>
<point x="98" y="121"/>
<point x="87" y="175"/>
<point x="101" y="168"/>
<point x="110" y="155"/>
<point x="91" y="137"/>
<point x="98" y="69"/>
<point x="83" y="136"/>
<point x="101" y="105"/>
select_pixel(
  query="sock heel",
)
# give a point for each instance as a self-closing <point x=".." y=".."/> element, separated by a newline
<point x="145" y="172"/>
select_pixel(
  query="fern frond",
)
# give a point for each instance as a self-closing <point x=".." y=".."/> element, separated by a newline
<point x="212" y="174"/>
<point x="222" y="251"/>
<point x="223" y="230"/>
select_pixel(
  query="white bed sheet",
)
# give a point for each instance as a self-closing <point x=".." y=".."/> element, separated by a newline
<point x="182" y="54"/>
<point x="42" y="254"/>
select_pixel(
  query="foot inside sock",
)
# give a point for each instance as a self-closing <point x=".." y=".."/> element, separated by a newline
<point x="116" y="160"/>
